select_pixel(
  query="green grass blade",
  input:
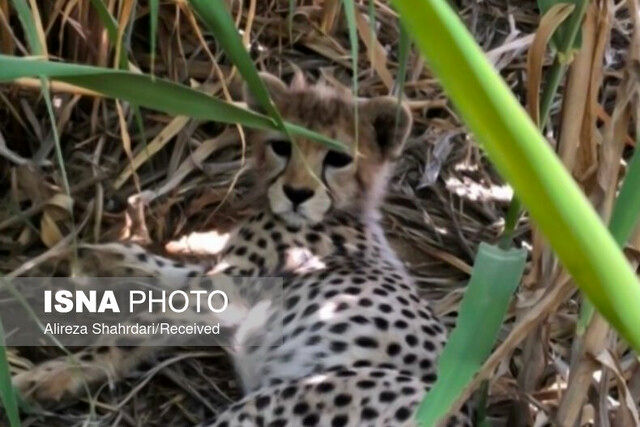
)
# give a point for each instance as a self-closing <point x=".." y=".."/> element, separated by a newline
<point x="303" y="132"/>
<point x="624" y="219"/>
<point x="221" y="25"/>
<point x="219" y="22"/>
<point x="29" y="26"/>
<point x="510" y="222"/>
<point x="526" y="161"/>
<point x="109" y="22"/>
<point x="154" y="93"/>
<point x="626" y="211"/>
<point x="153" y="18"/>
<point x="404" y="45"/>
<point x="56" y="138"/>
<point x="7" y="394"/>
<point x="495" y="276"/>
<point x="292" y="9"/>
<point x="350" y="14"/>
<point x="111" y="25"/>
<point x="568" y="42"/>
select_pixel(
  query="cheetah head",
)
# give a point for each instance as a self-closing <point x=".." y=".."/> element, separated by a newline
<point x="305" y="181"/>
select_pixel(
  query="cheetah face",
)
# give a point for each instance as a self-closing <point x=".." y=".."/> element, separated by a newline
<point x="305" y="181"/>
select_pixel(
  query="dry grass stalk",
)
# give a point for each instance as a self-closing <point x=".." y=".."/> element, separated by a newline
<point x="544" y="267"/>
<point x="548" y="25"/>
<point x="377" y="54"/>
<point x="595" y="340"/>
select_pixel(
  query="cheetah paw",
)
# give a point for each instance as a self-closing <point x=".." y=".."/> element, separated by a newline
<point x="52" y="381"/>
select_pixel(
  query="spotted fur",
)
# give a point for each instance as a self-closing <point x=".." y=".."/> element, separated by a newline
<point x="357" y="346"/>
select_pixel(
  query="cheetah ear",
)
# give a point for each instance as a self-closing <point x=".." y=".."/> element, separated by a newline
<point x="276" y="88"/>
<point x="391" y="122"/>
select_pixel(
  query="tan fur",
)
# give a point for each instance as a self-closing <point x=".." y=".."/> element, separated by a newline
<point x="65" y="377"/>
<point x="331" y="112"/>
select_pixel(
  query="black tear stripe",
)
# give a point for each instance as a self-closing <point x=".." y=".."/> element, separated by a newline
<point x="323" y="178"/>
<point x="278" y="175"/>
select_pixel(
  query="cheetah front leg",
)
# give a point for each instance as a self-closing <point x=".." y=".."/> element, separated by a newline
<point x="130" y="259"/>
<point x="69" y="376"/>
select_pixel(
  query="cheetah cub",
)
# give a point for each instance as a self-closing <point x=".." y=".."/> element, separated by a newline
<point x="357" y="347"/>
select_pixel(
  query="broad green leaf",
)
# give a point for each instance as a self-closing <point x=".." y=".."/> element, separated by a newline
<point x="526" y="161"/>
<point x="157" y="94"/>
<point x="154" y="93"/>
<point x="7" y="394"/>
<point x="219" y="22"/>
<point x="495" y="276"/>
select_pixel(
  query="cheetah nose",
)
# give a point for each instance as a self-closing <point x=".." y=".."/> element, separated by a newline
<point x="297" y="195"/>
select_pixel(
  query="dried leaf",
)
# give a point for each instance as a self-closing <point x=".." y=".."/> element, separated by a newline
<point x="62" y="201"/>
<point x="330" y="10"/>
<point x="548" y="25"/>
<point x="377" y="54"/>
<point x="628" y="407"/>
<point x="49" y="231"/>
<point x="576" y="95"/>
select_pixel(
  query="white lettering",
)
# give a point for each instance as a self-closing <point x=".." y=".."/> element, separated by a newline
<point x="224" y="299"/>
<point x="132" y="301"/>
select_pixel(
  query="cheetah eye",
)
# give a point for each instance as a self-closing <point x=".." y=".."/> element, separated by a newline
<point x="337" y="159"/>
<point x="281" y="147"/>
